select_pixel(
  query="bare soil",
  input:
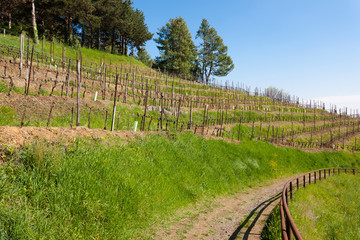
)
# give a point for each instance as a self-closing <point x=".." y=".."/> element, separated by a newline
<point x="16" y="136"/>
<point x="241" y="216"/>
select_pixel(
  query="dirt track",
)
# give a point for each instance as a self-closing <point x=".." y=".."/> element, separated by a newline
<point x="241" y="216"/>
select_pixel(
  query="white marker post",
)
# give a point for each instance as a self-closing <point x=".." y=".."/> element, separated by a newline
<point x="135" y="125"/>
<point x="95" y="97"/>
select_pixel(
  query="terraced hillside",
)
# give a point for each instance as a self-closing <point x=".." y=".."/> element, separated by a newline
<point x="39" y="89"/>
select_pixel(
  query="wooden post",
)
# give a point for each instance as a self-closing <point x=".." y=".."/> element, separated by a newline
<point x="104" y="84"/>
<point x="49" y="118"/>
<point x="190" y="125"/>
<point x="355" y="145"/>
<point x="142" y="127"/>
<point x="252" y="131"/>
<point x="23" y="116"/>
<point x="68" y="79"/>
<point x="78" y="93"/>
<point x="239" y="129"/>
<point x="89" y="119"/>
<point x="178" y="113"/>
<point x="114" y="108"/>
<point x="172" y="95"/>
<point x="63" y="59"/>
<point x="133" y="86"/>
<point x="126" y="87"/>
<point x="162" y="112"/>
<point x="106" y="118"/>
<point x="260" y="131"/>
<point x="22" y="38"/>
<point x="72" y="117"/>
<point x="29" y="76"/>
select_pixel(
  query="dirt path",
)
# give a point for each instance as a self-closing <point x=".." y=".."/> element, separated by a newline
<point x="238" y="217"/>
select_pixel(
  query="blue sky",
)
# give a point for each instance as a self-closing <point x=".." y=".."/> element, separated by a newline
<point x="309" y="48"/>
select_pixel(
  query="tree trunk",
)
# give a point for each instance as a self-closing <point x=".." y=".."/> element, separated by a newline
<point x="70" y="29"/>
<point x="99" y="38"/>
<point x="123" y="46"/>
<point x="9" y="20"/>
<point x="120" y="45"/>
<point x="82" y="36"/>
<point x="126" y="47"/>
<point x="91" y="38"/>
<point x="36" y="37"/>
<point x="113" y="41"/>
<point x="66" y="36"/>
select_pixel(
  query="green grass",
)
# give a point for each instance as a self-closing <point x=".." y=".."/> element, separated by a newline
<point x="272" y="228"/>
<point x="89" y="55"/>
<point x="334" y="209"/>
<point x="326" y="210"/>
<point x="111" y="190"/>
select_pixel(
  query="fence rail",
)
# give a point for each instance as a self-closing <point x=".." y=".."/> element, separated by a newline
<point x="288" y="226"/>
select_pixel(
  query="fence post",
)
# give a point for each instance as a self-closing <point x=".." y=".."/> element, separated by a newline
<point x="297" y="183"/>
<point x="304" y="181"/>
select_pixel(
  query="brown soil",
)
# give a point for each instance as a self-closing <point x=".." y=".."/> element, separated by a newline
<point x="16" y="136"/>
<point x="241" y="216"/>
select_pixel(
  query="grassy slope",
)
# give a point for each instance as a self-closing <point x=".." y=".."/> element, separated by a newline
<point x="89" y="55"/>
<point x="92" y="190"/>
<point x="332" y="214"/>
<point x="334" y="209"/>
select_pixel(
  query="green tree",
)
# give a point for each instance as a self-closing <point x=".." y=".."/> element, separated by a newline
<point x="112" y="25"/>
<point x="144" y="57"/>
<point x="8" y="8"/>
<point x="177" y="49"/>
<point x="213" y="56"/>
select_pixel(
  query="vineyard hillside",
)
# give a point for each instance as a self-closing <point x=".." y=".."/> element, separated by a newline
<point x="48" y="86"/>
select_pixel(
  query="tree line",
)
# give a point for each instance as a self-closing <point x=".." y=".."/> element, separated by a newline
<point x="117" y="27"/>
<point x="112" y="25"/>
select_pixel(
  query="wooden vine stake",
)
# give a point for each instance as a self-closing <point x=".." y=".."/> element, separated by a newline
<point x="29" y="76"/>
<point x="23" y="116"/>
<point x="78" y="93"/>
<point x="72" y="117"/>
<point x="89" y="119"/>
<point x="11" y="86"/>
<point x="68" y="79"/>
<point x="22" y="38"/>
<point x="106" y="118"/>
<point x="142" y="127"/>
<point x="49" y="118"/>
<point x="162" y="112"/>
<point x="178" y="114"/>
<point x="114" y="108"/>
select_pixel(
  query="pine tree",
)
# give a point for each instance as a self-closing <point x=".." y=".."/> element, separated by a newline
<point x="212" y="53"/>
<point x="144" y="57"/>
<point x="104" y="24"/>
<point x="177" y="49"/>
